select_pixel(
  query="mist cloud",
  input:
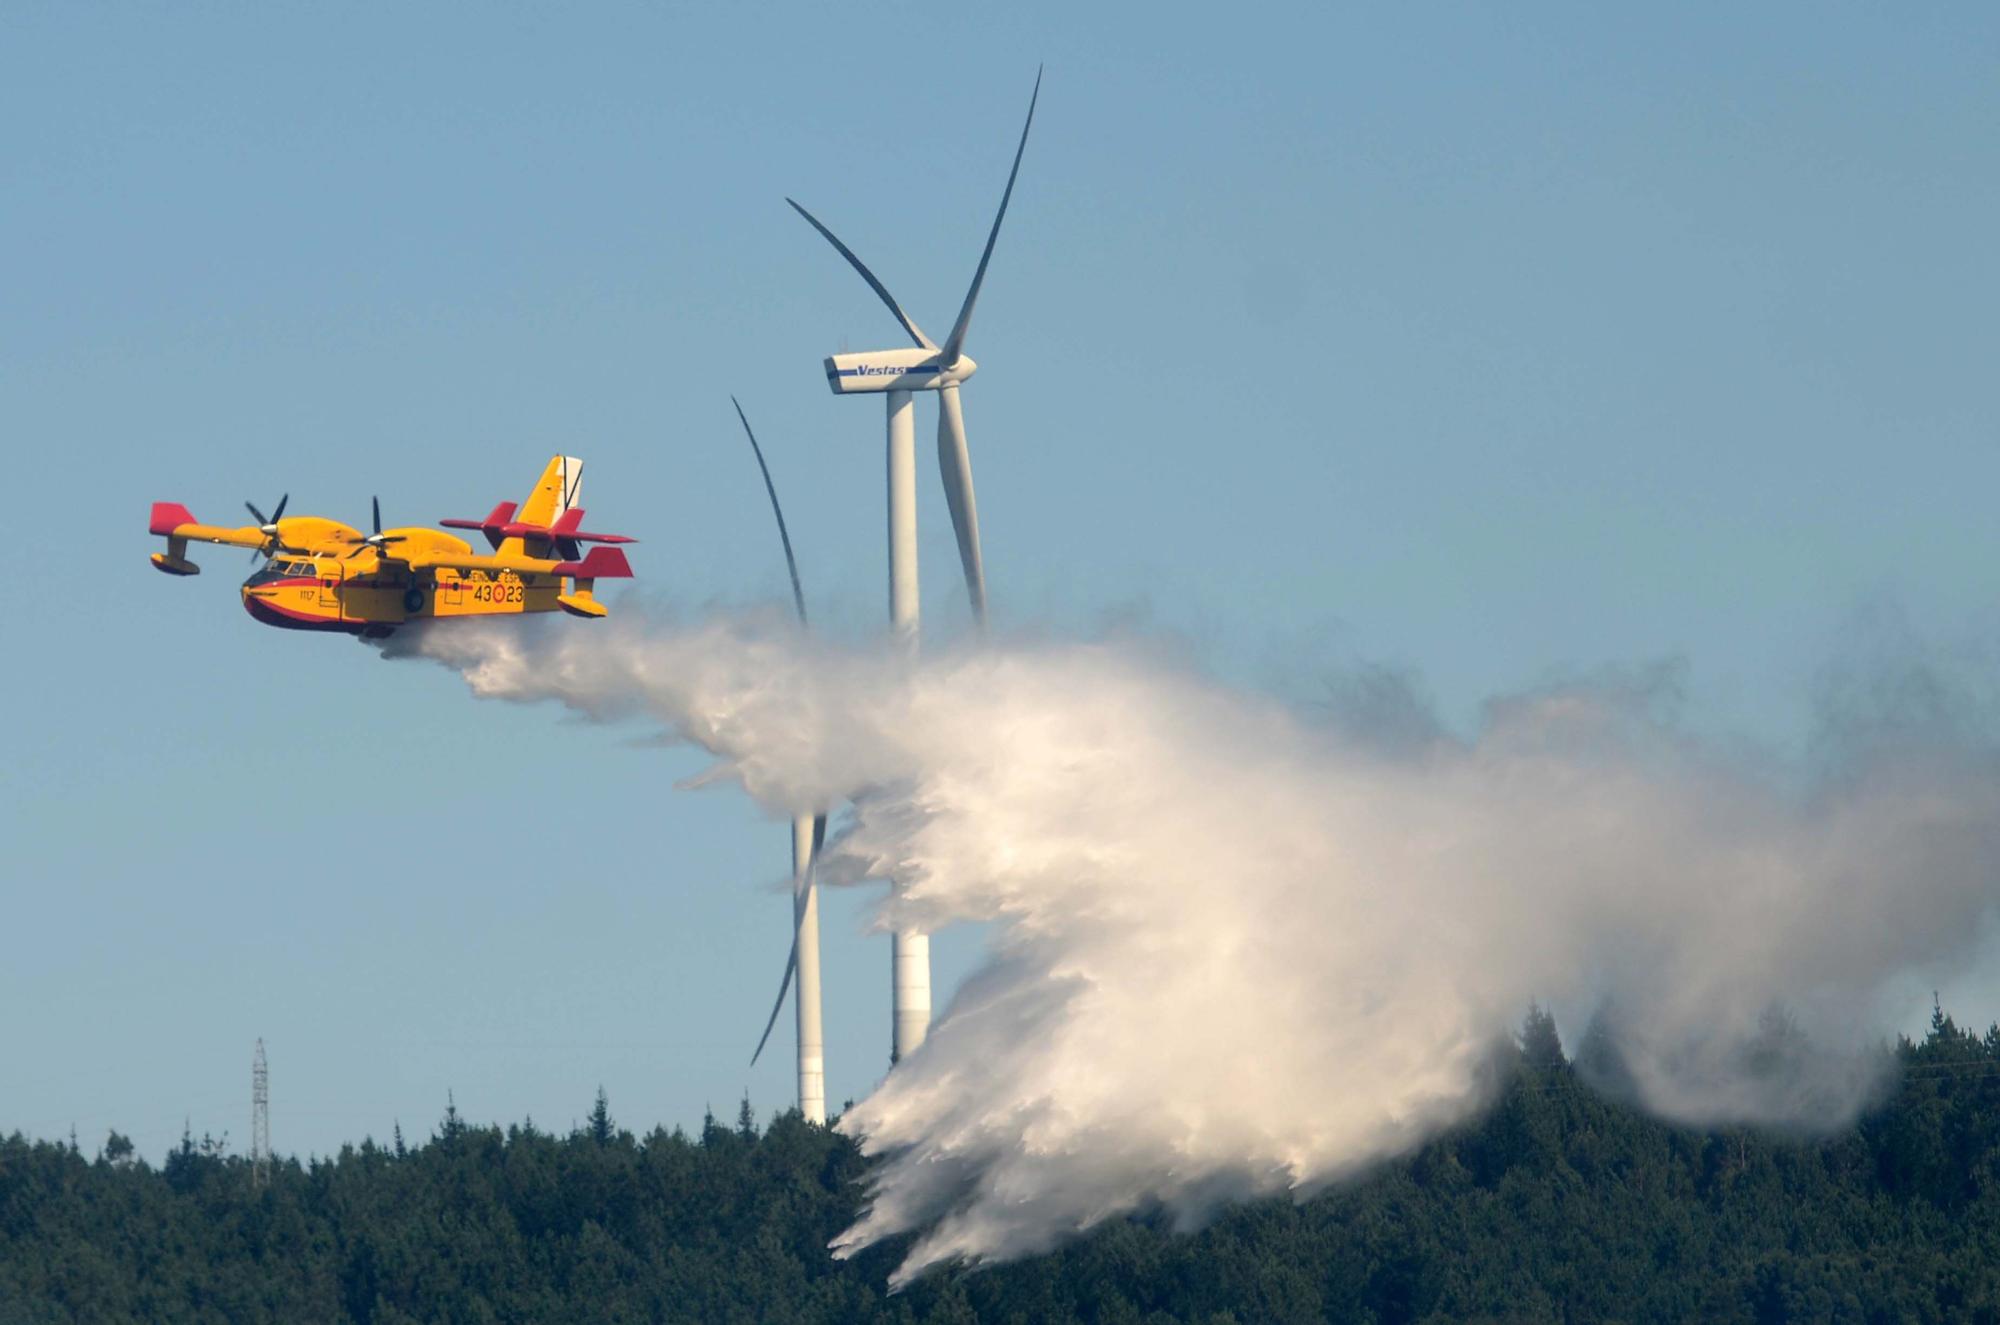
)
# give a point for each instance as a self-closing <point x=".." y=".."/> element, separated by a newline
<point x="1240" y="949"/>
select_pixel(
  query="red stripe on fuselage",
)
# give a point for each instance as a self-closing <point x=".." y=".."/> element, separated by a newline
<point x="268" y="612"/>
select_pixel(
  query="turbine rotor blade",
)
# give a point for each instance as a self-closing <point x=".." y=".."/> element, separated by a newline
<point x="955" y="342"/>
<point x="955" y="468"/>
<point x="791" y="562"/>
<point x="916" y="333"/>
<point x="784" y="985"/>
<point x="801" y="890"/>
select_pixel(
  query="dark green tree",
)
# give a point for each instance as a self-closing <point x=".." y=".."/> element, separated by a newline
<point x="600" y="1127"/>
<point x="1559" y="1202"/>
<point x="1541" y="1046"/>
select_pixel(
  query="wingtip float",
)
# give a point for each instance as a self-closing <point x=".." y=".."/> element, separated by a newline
<point x="320" y="574"/>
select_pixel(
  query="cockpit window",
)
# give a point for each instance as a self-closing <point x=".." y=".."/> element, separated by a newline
<point x="278" y="568"/>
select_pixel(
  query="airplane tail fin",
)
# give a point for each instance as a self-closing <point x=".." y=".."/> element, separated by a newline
<point x="555" y="492"/>
<point x="558" y="489"/>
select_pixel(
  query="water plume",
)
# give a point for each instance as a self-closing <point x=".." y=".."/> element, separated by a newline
<point x="1240" y="949"/>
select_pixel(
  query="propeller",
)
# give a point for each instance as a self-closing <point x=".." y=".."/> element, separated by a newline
<point x="268" y="528"/>
<point x="954" y="458"/>
<point x="377" y="540"/>
<point x="802" y="885"/>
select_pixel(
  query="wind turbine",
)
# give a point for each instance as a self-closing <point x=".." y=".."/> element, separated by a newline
<point x="926" y="366"/>
<point x="808" y="835"/>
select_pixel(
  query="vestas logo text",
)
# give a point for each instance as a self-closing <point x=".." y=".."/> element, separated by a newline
<point x="885" y="370"/>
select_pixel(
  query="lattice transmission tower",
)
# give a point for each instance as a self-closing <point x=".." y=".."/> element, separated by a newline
<point x="260" y="1119"/>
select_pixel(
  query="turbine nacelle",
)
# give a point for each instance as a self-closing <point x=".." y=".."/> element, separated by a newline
<point x="912" y="369"/>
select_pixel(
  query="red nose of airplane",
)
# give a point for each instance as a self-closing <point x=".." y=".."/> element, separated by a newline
<point x="254" y="604"/>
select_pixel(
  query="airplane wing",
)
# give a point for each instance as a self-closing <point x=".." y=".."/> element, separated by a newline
<point x="603" y="563"/>
<point x="173" y="520"/>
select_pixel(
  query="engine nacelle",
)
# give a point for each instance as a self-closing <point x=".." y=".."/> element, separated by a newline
<point x="912" y="369"/>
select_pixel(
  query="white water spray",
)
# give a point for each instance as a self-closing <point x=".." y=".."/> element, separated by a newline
<point x="1237" y="951"/>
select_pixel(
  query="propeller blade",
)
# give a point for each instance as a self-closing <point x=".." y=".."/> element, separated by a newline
<point x="801" y="891"/>
<point x="791" y="562"/>
<point x="956" y="341"/>
<point x="376" y="503"/>
<point x="269" y="527"/>
<point x="916" y="334"/>
<point x="955" y="468"/>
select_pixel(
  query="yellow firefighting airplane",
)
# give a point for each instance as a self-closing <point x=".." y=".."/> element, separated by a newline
<point x="323" y="575"/>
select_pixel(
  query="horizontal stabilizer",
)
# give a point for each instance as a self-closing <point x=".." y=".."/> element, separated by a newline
<point x="496" y="520"/>
<point x="498" y="517"/>
<point x="563" y="527"/>
<point x="568" y="525"/>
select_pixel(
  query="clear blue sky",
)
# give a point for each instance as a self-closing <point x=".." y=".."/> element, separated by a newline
<point x="1485" y="342"/>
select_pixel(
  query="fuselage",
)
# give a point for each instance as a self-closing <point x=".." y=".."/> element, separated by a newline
<point x="358" y="594"/>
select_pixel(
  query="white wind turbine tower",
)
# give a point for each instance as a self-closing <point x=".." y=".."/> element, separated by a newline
<point x="896" y="373"/>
